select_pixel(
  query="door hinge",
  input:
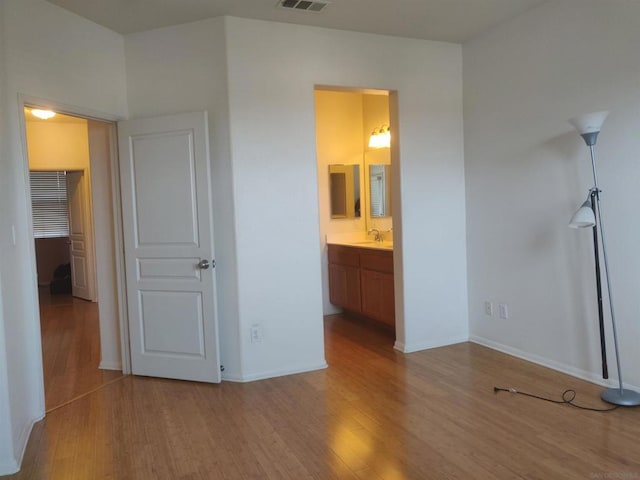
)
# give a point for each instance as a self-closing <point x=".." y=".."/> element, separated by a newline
<point x="222" y="368"/>
<point x="213" y="263"/>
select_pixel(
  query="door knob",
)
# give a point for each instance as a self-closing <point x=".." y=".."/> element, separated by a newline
<point x="204" y="264"/>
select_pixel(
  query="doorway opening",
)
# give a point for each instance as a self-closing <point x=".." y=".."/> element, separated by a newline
<point x="72" y="211"/>
<point x="355" y="156"/>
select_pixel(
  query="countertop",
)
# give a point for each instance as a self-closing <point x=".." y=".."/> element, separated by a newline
<point x="384" y="245"/>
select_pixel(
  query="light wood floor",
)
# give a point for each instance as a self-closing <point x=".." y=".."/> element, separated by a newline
<point x="373" y="414"/>
<point x="70" y="348"/>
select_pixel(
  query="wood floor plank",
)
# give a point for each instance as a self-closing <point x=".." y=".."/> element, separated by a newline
<point x="373" y="414"/>
<point x="70" y="348"/>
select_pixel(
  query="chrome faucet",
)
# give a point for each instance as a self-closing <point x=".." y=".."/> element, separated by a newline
<point x="378" y="237"/>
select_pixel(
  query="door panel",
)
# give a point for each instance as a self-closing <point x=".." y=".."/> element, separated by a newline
<point x="80" y="241"/>
<point x="158" y="310"/>
<point x="171" y="196"/>
<point x="166" y="191"/>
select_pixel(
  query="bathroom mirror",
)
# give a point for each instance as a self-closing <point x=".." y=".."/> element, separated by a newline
<point x="344" y="186"/>
<point x="380" y="191"/>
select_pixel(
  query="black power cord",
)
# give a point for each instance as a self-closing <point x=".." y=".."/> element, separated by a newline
<point x="568" y="396"/>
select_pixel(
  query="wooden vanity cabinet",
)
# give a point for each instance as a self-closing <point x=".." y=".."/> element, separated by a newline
<point x="361" y="281"/>
<point x="344" y="277"/>
<point x="376" y="286"/>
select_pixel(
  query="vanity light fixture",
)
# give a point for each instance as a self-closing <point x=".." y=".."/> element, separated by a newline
<point x="43" y="114"/>
<point x="380" y="137"/>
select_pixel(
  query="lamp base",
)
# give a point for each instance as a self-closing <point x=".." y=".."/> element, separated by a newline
<point x="626" y="398"/>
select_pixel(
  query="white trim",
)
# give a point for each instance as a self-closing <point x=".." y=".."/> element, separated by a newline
<point x="272" y="373"/>
<point x="121" y="282"/>
<point x="8" y="468"/>
<point x="23" y="441"/>
<point x="35" y="294"/>
<point x="427" y="345"/>
<point x="552" y="364"/>
<point x="28" y="100"/>
<point x="110" y="366"/>
<point x="66" y="108"/>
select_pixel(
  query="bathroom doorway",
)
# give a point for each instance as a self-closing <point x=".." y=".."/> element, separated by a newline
<point x="354" y="139"/>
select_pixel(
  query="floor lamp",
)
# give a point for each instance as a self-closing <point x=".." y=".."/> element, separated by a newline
<point x="588" y="126"/>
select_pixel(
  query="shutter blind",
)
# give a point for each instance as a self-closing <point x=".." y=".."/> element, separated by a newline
<point x="49" y="204"/>
<point x="377" y="182"/>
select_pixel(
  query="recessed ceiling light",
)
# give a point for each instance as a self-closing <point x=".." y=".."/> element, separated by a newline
<point x="43" y="114"/>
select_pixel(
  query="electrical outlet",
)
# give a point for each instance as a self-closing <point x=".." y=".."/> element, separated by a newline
<point x="488" y="309"/>
<point x="256" y="334"/>
<point x="504" y="311"/>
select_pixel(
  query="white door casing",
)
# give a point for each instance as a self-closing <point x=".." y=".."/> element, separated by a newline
<point x="80" y="237"/>
<point x="167" y="226"/>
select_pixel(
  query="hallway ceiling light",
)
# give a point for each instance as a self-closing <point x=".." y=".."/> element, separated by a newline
<point x="43" y="114"/>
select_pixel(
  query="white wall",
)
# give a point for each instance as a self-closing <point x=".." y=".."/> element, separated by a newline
<point x="57" y="146"/>
<point x="527" y="171"/>
<point x="100" y="138"/>
<point x="273" y="69"/>
<point x="181" y="69"/>
<point x="264" y="171"/>
<point x="7" y="457"/>
<point x="338" y="127"/>
<point x="70" y="61"/>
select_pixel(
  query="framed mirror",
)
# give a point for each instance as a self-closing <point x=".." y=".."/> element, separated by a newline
<point x="380" y="190"/>
<point x="344" y="186"/>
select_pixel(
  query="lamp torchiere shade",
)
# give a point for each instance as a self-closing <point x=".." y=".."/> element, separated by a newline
<point x="589" y="125"/>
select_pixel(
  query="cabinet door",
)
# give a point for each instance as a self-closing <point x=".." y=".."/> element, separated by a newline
<point x="344" y="286"/>
<point x="378" y="299"/>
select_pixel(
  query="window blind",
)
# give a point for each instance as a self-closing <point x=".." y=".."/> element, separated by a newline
<point x="49" y="204"/>
<point x="377" y="190"/>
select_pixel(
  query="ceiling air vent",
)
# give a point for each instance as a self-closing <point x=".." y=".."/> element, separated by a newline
<point x="303" y="5"/>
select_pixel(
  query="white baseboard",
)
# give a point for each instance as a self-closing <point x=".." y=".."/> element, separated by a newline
<point x="110" y="366"/>
<point x="552" y="364"/>
<point x="272" y="373"/>
<point x="8" y="467"/>
<point x="417" y="346"/>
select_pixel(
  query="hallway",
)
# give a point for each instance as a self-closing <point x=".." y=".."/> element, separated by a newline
<point x="70" y="348"/>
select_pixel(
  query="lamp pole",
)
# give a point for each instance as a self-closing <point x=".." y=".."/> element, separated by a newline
<point x="596" y="250"/>
<point x="589" y="127"/>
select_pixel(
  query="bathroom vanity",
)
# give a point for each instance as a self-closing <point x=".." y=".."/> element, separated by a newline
<point x="361" y="279"/>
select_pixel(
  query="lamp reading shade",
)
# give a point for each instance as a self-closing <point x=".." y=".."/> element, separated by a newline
<point x="584" y="216"/>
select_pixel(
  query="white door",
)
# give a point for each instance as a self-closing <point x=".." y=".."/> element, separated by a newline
<point x="80" y="239"/>
<point x="166" y="204"/>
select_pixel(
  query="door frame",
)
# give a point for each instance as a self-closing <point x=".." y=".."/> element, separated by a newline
<point x="25" y="100"/>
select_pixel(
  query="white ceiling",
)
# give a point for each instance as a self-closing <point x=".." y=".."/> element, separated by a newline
<point x="446" y="20"/>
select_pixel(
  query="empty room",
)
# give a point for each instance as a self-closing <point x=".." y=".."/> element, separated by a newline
<point x="348" y="239"/>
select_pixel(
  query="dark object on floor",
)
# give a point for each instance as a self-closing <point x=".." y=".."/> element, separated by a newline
<point x="61" y="282"/>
